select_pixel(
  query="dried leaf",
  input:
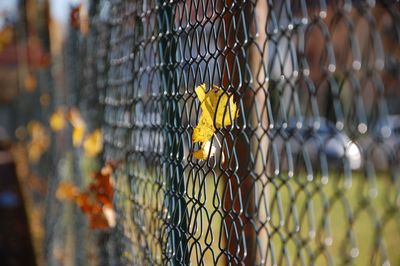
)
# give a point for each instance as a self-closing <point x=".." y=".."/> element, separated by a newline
<point x="77" y="136"/>
<point x="102" y="188"/>
<point x="97" y="220"/>
<point x="93" y="143"/>
<point x="218" y="103"/>
<point x="110" y="215"/>
<point x="83" y="200"/>
<point x="95" y="201"/>
<point x="30" y="82"/>
<point x="67" y="191"/>
<point x="206" y="148"/>
<point x="39" y="141"/>
<point x="107" y="169"/>
<point x="204" y="130"/>
<point x="79" y="126"/>
<point x="218" y="110"/>
<point x="57" y="120"/>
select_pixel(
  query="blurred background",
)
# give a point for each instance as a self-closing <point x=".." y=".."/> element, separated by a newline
<point x="34" y="84"/>
<point x="318" y="87"/>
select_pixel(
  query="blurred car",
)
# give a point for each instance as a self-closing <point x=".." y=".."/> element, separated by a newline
<point x="381" y="147"/>
<point x="315" y="145"/>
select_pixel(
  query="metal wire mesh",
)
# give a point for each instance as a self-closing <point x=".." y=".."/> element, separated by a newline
<point x="307" y="174"/>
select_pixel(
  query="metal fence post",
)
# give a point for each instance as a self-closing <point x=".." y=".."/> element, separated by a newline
<point x="176" y="222"/>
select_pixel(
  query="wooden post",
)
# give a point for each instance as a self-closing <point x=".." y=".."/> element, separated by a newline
<point x="244" y="169"/>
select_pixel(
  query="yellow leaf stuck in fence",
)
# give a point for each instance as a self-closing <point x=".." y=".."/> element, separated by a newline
<point x="203" y="131"/>
<point x="206" y="148"/>
<point x="218" y="110"/>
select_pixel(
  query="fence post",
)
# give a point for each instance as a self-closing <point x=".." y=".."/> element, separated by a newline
<point x="259" y="142"/>
<point x="238" y="207"/>
<point x="174" y="202"/>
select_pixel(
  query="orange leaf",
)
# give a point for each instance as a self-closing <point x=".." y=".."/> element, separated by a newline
<point x="30" y="82"/>
<point x="102" y="188"/>
<point x="67" y="191"/>
<point x="96" y="201"/>
<point x="98" y="221"/>
<point x="84" y="202"/>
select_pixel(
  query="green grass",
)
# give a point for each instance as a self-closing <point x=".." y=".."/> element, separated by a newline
<point x="338" y="220"/>
<point x="358" y="212"/>
<point x="343" y="221"/>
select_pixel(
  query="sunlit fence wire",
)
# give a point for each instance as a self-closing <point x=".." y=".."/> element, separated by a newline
<point x="307" y="174"/>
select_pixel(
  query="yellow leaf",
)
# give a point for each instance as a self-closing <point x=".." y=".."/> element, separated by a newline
<point x="67" y="191"/>
<point x="93" y="144"/>
<point x="79" y="127"/>
<point x="57" y="120"/>
<point x="206" y="148"/>
<point x="201" y="92"/>
<point x="77" y="136"/>
<point x="215" y="104"/>
<point x="203" y="131"/>
<point x="39" y="141"/>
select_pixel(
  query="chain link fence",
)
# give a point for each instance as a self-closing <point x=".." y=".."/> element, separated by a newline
<point x="308" y="172"/>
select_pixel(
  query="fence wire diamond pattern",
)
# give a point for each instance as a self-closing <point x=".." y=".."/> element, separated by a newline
<point x="308" y="172"/>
